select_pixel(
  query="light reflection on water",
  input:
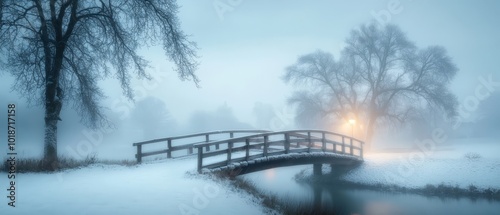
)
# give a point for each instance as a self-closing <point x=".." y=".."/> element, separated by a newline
<point x="269" y="173"/>
<point x="280" y="182"/>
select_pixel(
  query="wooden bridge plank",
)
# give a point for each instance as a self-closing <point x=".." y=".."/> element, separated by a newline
<point x="214" y="153"/>
<point x="276" y="153"/>
<point x="276" y="143"/>
<point x="144" y="154"/>
<point x="214" y="165"/>
<point x="299" y="150"/>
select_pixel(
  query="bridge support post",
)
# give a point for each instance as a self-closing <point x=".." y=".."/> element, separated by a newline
<point x="139" y="153"/>
<point x="169" y="147"/>
<point x="310" y="142"/>
<point x="317" y="168"/>
<point x="207" y="140"/>
<point x="229" y="151"/>
<point x="323" y="142"/>
<point x="266" y="138"/>
<point x="287" y="143"/>
<point x="361" y="150"/>
<point x="200" y="159"/>
<point x="350" y="150"/>
<point x="343" y="145"/>
<point x="247" y="149"/>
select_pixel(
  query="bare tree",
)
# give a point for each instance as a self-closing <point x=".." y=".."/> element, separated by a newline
<point x="152" y="117"/>
<point x="221" y="118"/>
<point x="380" y="77"/>
<point x="263" y="114"/>
<point x="59" y="50"/>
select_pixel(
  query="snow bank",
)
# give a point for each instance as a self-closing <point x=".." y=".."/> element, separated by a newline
<point x="448" y="164"/>
<point x="153" y="188"/>
<point x="483" y="173"/>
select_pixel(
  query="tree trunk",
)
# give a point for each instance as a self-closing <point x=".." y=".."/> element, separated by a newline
<point x="370" y="129"/>
<point x="53" y="107"/>
<point x="368" y="138"/>
<point x="50" y="146"/>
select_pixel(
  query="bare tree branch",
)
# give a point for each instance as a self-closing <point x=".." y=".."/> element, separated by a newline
<point x="393" y="77"/>
<point x="58" y="50"/>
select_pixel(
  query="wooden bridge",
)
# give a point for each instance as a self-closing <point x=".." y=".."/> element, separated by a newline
<point x="245" y="151"/>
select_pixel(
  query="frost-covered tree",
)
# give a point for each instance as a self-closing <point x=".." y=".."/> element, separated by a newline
<point x="486" y="120"/>
<point x="58" y="50"/>
<point x="221" y="118"/>
<point x="381" y="76"/>
<point x="152" y="117"/>
<point x="263" y="114"/>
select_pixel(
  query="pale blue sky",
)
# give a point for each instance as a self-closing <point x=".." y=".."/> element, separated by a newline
<point x="245" y="53"/>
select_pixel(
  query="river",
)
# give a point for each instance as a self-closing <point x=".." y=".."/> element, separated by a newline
<point x="280" y="182"/>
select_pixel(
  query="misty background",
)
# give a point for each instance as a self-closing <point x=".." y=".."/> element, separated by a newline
<point x="245" y="47"/>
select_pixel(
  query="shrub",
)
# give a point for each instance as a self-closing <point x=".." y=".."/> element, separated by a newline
<point x="489" y="192"/>
<point x="472" y="156"/>
<point x="429" y="188"/>
<point x="473" y="189"/>
<point x="90" y="159"/>
<point x="37" y="165"/>
<point x="457" y="191"/>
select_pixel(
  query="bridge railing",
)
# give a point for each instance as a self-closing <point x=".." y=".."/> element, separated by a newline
<point x="276" y="143"/>
<point x="172" y="143"/>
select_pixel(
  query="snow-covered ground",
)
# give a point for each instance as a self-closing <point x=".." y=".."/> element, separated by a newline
<point x="163" y="187"/>
<point x="445" y="163"/>
<point x="153" y="188"/>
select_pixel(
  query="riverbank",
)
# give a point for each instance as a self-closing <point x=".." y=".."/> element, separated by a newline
<point x="459" y="177"/>
<point x="465" y="169"/>
<point x="409" y="170"/>
<point x="316" y="197"/>
<point x="441" y="190"/>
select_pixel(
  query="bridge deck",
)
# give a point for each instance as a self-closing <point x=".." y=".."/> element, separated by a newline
<point x="301" y="143"/>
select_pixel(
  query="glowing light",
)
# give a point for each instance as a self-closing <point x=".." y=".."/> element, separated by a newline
<point x="352" y="122"/>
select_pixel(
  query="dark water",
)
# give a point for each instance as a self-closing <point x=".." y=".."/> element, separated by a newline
<point x="340" y="200"/>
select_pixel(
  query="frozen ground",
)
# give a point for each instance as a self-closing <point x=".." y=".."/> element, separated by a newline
<point x="152" y="188"/>
<point x="446" y="163"/>
<point x="164" y="187"/>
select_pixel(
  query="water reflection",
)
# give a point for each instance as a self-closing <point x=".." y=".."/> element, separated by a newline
<point x="341" y="200"/>
<point x="269" y="173"/>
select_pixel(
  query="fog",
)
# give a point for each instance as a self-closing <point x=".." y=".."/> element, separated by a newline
<point x="244" y="51"/>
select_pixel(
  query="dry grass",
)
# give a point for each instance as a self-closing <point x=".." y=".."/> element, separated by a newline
<point x="24" y="165"/>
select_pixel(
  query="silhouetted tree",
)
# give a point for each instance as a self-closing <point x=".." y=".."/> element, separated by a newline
<point x="58" y="50"/>
<point x="152" y="117"/>
<point x="264" y="114"/>
<point x="221" y="118"/>
<point x="381" y="77"/>
<point x="485" y="123"/>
